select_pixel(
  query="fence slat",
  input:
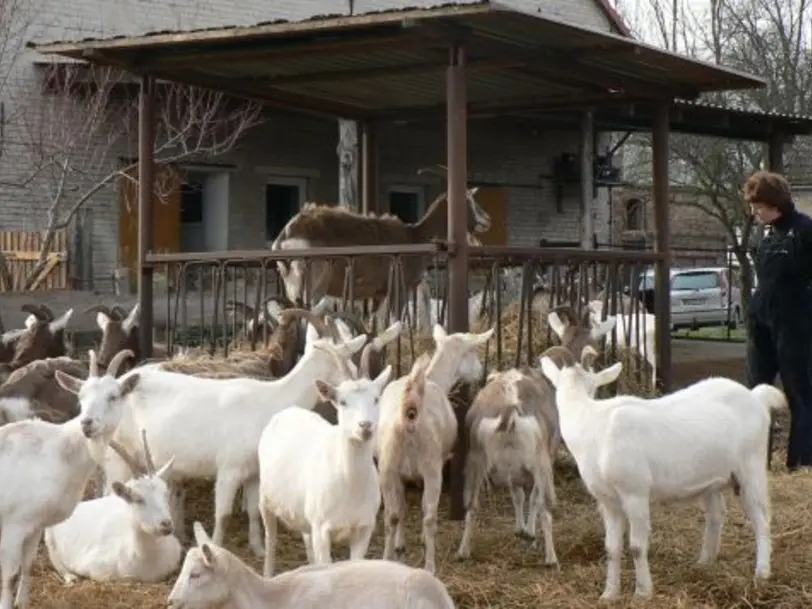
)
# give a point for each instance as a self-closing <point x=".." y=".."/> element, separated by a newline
<point x="21" y="249"/>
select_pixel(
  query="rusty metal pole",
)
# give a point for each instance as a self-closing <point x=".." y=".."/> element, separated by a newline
<point x="369" y="168"/>
<point x="662" y="271"/>
<point x="457" y="151"/>
<point x="146" y="180"/>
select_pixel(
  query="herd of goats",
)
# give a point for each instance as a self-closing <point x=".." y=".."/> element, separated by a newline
<point x="327" y="442"/>
<point x="322" y="436"/>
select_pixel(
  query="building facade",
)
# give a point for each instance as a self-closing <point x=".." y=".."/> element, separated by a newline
<point x="241" y="199"/>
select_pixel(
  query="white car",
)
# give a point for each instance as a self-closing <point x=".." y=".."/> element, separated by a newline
<point x="701" y="296"/>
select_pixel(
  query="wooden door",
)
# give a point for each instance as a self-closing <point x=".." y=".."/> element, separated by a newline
<point x="165" y="219"/>
<point x="495" y="202"/>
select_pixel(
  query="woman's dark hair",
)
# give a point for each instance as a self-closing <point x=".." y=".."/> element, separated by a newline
<point x="768" y="188"/>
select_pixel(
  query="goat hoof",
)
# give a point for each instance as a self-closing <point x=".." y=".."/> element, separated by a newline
<point x="460" y="556"/>
<point x="525" y="535"/>
<point x="400" y="551"/>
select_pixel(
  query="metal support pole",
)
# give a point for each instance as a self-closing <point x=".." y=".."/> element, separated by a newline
<point x="369" y="168"/>
<point x="587" y="154"/>
<point x="457" y="150"/>
<point x="662" y="288"/>
<point x="146" y="182"/>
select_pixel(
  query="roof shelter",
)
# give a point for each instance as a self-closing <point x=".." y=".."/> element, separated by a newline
<point x="454" y="61"/>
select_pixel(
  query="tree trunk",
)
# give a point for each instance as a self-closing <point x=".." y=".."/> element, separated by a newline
<point x="348" y="164"/>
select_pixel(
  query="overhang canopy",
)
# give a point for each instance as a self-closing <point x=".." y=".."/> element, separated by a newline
<point x="391" y="65"/>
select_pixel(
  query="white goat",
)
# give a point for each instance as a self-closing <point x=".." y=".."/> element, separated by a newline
<point x="212" y="578"/>
<point x="690" y="444"/>
<point x="44" y="469"/>
<point x="631" y="330"/>
<point x="319" y="479"/>
<point x="125" y="536"/>
<point x="418" y="428"/>
<point x="212" y="426"/>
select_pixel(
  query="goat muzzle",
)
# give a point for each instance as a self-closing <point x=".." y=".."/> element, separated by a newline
<point x="411" y="413"/>
<point x="87" y="427"/>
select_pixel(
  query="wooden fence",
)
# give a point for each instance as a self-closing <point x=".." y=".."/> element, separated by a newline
<point x="21" y="250"/>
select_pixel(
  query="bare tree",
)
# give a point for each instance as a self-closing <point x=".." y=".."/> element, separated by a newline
<point x="82" y="122"/>
<point x="771" y="38"/>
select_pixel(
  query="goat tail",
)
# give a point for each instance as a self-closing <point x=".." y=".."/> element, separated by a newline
<point x="770" y="397"/>
<point x="507" y="420"/>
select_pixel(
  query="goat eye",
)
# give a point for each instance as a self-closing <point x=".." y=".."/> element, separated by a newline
<point x="342" y="403"/>
<point x="194" y="575"/>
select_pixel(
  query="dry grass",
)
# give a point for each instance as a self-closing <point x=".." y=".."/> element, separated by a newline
<point x="505" y="572"/>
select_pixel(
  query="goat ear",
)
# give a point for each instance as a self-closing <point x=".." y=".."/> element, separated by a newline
<point x="68" y="382"/>
<point x="132" y="319"/>
<point x="129" y="384"/>
<point x="201" y="537"/>
<point x="60" y="322"/>
<point x="164" y="471"/>
<point x="550" y="370"/>
<point x="208" y="555"/>
<point x="343" y="330"/>
<point x="602" y="328"/>
<point x="354" y="346"/>
<point x="387" y="336"/>
<point x="609" y="375"/>
<point x="274" y="309"/>
<point x="438" y="333"/>
<point x="556" y="324"/>
<point x="30" y="321"/>
<point x="102" y="320"/>
<point x="326" y="391"/>
<point x="312" y="334"/>
<point x="383" y="378"/>
<point x="123" y="492"/>
<point x="484" y="337"/>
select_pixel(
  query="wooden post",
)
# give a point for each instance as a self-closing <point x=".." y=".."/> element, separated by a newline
<point x="348" y="163"/>
<point x="146" y="183"/>
<point x="662" y="271"/>
<point x="457" y="151"/>
<point x="587" y="155"/>
<point x="369" y="168"/>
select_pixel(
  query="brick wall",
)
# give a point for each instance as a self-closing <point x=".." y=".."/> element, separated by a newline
<point x="293" y="147"/>
<point x="695" y="237"/>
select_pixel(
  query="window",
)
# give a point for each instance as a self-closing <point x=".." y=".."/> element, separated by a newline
<point x="695" y="281"/>
<point x="191" y="202"/>
<point x="407" y="202"/>
<point x="283" y="199"/>
<point x="634" y="214"/>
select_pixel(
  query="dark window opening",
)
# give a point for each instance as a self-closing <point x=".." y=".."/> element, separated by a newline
<point x="404" y="205"/>
<point x="191" y="202"/>
<point x="634" y="214"/>
<point x="281" y="204"/>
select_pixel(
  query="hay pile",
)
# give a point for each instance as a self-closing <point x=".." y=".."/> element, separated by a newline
<point x="504" y="572"/>
<point x="634" y="378"/>
<point x="238" y="364"/>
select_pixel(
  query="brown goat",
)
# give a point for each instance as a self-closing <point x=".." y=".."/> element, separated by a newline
<point x="335" y="226"/>
<point x="119" y="332"/>
<point x="33" y="391"/>
<point x="575" y="333"/>
<point x="257" y="326"/>
<point x="43" y="337"/>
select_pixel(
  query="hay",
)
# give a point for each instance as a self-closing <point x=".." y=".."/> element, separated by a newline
<point x="505" y="572"/>
<point x="251" y="364"/>
<point x="634" y="378"/>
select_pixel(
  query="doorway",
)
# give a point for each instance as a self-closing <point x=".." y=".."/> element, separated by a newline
<point x="204" y="211"/>
<point x="284" y="198"/>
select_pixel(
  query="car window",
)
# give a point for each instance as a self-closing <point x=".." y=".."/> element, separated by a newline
<point x="695" y="281"/>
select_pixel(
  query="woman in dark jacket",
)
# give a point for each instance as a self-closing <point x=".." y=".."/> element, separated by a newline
<point x="780" y="316"/>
